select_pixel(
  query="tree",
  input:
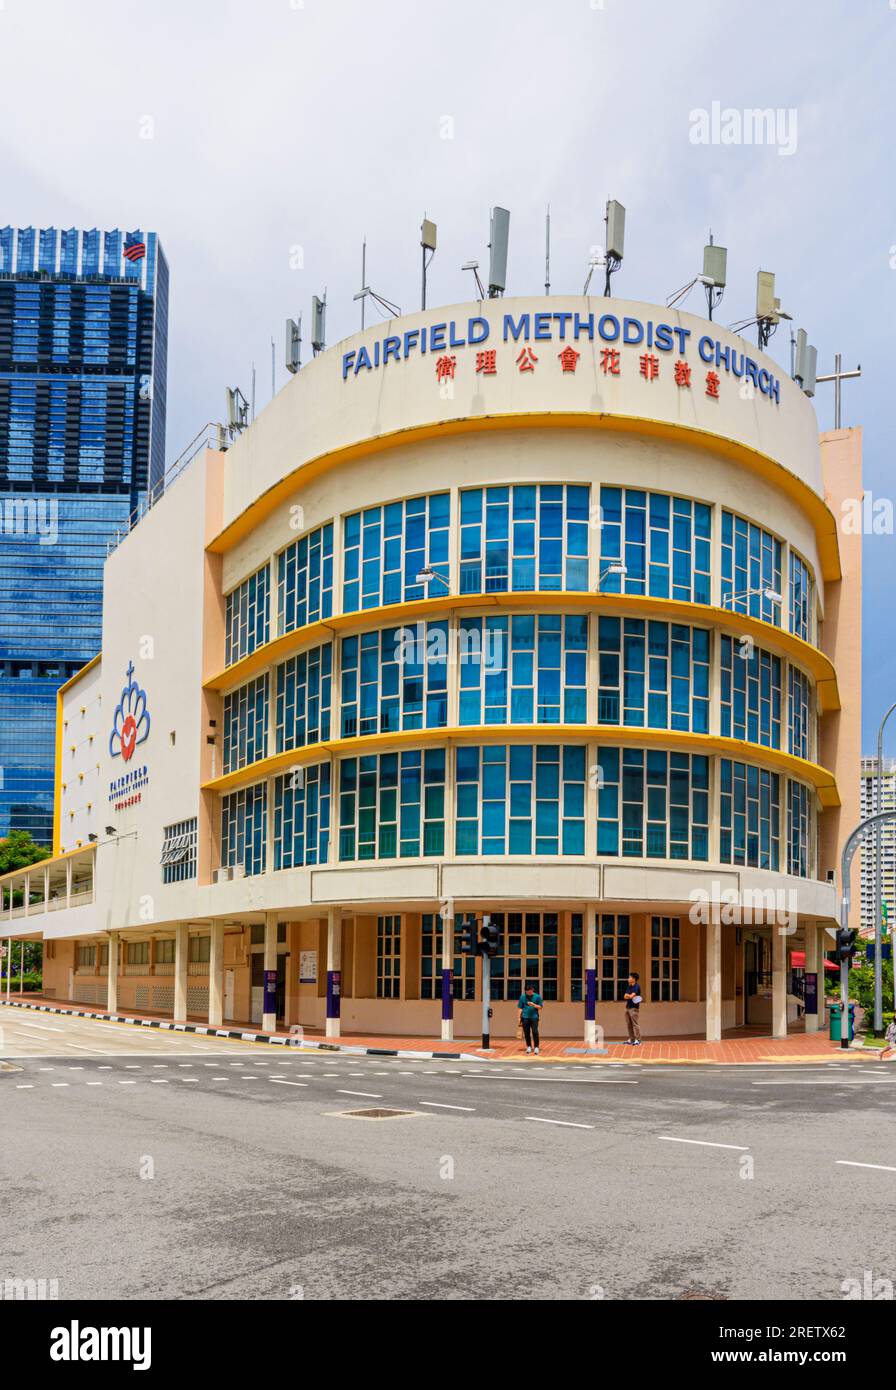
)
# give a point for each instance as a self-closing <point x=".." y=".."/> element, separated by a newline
<point x="18" y="850"/>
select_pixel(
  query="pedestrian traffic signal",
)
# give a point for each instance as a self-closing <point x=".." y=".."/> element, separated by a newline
<point x="468" y="939"/>
<point x="491" y="939"/>
<point x="846" y="943"/>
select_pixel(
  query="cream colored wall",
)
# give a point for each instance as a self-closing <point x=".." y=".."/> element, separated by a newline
<point x="84" y="734"/>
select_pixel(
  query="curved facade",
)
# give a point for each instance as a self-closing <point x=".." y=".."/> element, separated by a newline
<point x="527" y="608"/>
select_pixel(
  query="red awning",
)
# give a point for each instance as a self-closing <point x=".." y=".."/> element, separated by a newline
<point x="798" y="961"/>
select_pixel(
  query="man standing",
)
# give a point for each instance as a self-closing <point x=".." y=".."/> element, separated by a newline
<point x="632" y="999"/>
<point x="530" y="1007"/>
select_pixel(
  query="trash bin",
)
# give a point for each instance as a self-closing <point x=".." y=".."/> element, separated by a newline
<point x="835" y="1033"/>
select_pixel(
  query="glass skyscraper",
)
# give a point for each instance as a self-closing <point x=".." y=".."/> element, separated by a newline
<point x="83" y="363"/>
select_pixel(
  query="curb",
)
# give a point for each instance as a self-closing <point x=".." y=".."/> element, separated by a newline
<point x="273" y="1039"/>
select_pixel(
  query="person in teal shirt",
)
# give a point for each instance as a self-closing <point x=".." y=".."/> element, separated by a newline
<point x="530" y="1007"/>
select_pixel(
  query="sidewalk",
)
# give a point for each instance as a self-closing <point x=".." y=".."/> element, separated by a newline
<point x="797" y="1048"/>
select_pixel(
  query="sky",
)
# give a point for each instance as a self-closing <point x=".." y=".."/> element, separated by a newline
<point x="265" y="139"/>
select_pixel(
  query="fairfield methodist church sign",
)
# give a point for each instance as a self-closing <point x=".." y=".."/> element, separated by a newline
<point x="538" y="342"/>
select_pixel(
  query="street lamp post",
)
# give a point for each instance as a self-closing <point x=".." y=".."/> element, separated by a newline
<point x="866" y="827"/>
<point x="878" y="837"/>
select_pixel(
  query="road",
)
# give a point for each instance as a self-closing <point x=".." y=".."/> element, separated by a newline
<point x="140" y="1164"/>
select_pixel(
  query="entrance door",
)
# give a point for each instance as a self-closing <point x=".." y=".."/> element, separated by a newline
<point x="228" y="993"/>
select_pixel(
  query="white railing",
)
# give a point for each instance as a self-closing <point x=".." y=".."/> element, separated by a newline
<point x="211" y="436"/>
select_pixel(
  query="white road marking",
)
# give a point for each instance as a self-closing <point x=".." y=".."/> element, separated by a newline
<point x="127" y="1083"/>
<point x="40" y="1027"/>
<point x="369" y="1095"/>
<point x="26" y="1086"/>
<point x="58" y="1084"/>
<point x="440" y="1105"/>
<point x="278" y="1082"/>
<point x="848" y="1163"/>
<point x="879" y="1081"/>
<point x="158" y="1081"/>
<point x="567" y="1124"/>
<point x="93" y="1083"/>
<point x="704" y="1143"/>
<point x="187" y="1079"/>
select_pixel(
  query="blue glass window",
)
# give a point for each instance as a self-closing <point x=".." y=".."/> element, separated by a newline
<point x="385" y="548"/>
<point x="520" y="799"/>
<point x="396" y="678"/>
<point x="529" y="536"/>
<point x="246" y="724"/>
<point x="751" y="693"/>
<point x="247" y="620"/>
<point x="652" y="804"/>
<point x="302" y="817"/>
<point x="800" y="743"/>
<point x="304" y="694"/>
<point x="663" y="542"/>
<point x="798" y="829"/>
<point x="305" y="579"/>
<point x="751" y="569"/>
<point x="750" y="800"/>
<point x="653" y="674"/>
<point x="800" y="598"/>
<point x="392" y="805"/>
<point x="523" y="670"/>
<point x="463" y="982"/>
<point x="244" y="828"/>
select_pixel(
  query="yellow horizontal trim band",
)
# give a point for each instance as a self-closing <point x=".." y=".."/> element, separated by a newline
<point x="771" y="638"/>
<point x="677" y="742"/>
<point x="47" y="863"/>
<point x="761" y="464"/>
<point x="73" y="680"/>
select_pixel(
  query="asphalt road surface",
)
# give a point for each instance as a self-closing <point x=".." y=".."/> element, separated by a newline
<point x="138" y="1164"/>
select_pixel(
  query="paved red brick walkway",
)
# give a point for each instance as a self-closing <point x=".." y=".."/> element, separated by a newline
<point x="740" y="1046"/>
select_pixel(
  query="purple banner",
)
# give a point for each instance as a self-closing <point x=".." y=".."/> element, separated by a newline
<point x="590" y="995"/>
<point x="334" y="992"/>
<point x="447" y="994"/>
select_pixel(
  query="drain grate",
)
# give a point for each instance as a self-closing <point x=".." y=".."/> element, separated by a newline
<point x="377" y="1113"/>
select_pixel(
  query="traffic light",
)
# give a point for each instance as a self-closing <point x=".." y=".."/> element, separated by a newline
<point x="491" y="939"/>
<point x="468" y="939"/>
<point x="846" y="943"/>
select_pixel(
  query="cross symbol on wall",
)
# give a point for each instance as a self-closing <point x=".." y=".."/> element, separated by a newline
<point x="130" y="670"/>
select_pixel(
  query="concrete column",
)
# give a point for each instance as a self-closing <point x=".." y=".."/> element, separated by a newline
<point x="181" y="953"/>
<point x="448" y="972"/>
<point x="22" y="966"/>
<point x="813" y="966"/>
<point x="590" y="944"/>
<point x="713" y="980"/>
<point x="334" y="972"/>
<point x="112" y="977"/>
<point x="216" y="976"/>
<point x="269" y="1006"/>
<point x="68" y="883"/>
<point x="779" y="982"/>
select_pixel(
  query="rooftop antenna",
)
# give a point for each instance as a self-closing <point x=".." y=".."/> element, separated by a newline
<point x="365" y="292"/>
<point x="318" y="324"/>
<point x="236" y="411"/>
<point x="805" y="362"/>
<point x="273" y="370"/>
<point x="715" y="274"/>
<point x="594" y="261"/>
<point x="293" y="344"/>
<point x="253" y="390"/>
<point x="499" y="232"/>
<point x="768" y="309"/>
<point x="427" y="243"/>
<point x="614" y="218"/>
<point x="474" y="266"/>
<point x="547" y="251"/>
<point x="837" y="376"/>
